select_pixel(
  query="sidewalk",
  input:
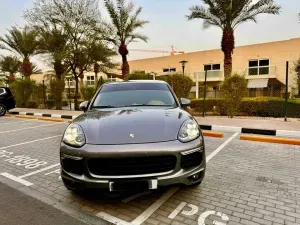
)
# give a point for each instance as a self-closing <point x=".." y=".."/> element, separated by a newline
<point x="255" y="123"/>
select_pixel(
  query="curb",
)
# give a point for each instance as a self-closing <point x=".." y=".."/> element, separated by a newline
<point x="244" y="130"/>
<point x="69" y="117"/>
<point x="51" y="119"/>
<point x="276" y="140"/>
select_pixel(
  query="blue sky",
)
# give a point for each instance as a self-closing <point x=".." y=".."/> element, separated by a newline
<point x="168" y="26"/>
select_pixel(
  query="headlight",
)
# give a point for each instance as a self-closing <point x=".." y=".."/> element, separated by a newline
<point x="189" y="131"/>
<point x="74" y="136"/>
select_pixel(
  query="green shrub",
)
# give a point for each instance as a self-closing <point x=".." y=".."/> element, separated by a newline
<point x="38" y="94"/>
<point x="181" y="84"/>
<point x="57" y="88"/>
<point x="32" y="104"/>
<point x="234" y="89"/>
<point x="65" y="103"/>
<point x="140" y="75"/>
<point x="262" y="106"/>
<point x="88" y="93"/>
<point x="215" y="105"/>
<point x="22" y="90"/>
<point x="50" y="104"/>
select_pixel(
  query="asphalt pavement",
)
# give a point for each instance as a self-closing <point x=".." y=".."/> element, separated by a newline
<point x="20" y="209"/>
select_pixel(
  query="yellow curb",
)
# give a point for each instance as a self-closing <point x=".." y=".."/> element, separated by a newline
<point x="70" y="121"/>
<point x="51" y="119"/>
<point x="286" y="141"/>
<point x="25" y="117"/>
<point x="213" y="134"/>
<point x="9" y="115"/>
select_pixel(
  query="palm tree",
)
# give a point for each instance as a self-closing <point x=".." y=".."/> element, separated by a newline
<point x="53" y="42"/>
<point x="228" y="14"/>
<point x="11" y="65"/>
<point x="24" y="43"/>
<point x="125" y="22"/>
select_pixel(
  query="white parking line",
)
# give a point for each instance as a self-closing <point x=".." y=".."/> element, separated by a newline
<point x="26" y="128"/>
<point x="38" y="171"/>
<point x="21" y="121"/>
<point x="29" y="142"/>
<point x="17" y="179"/>
<point x="148" y="212"/>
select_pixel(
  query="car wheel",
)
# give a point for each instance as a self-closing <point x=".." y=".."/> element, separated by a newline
<point x="2" y="110"/>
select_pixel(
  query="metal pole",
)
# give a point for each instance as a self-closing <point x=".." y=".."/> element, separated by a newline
<point x="70" y="94"/>
<point x="197" y="85"/>
<point x="203" y="113"/>
<point x="183" y="67"/>
<point x="286" y="90"/>
<point x="44" y="98"/>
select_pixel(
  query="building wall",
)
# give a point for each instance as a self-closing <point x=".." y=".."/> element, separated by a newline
<point x="277" y="52"/>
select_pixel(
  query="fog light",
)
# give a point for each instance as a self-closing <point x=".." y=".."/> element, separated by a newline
<point x="195" y="177"/>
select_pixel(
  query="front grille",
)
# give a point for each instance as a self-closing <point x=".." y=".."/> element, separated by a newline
<point x="131" y="166"/>
<point x="72" y="166"/>
<point x="191" y="160"/>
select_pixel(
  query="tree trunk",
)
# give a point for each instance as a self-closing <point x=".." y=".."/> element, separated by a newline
<point x="26" y="68"/>
<point x="76" y="106"/>
<point x="81" y="85"/>
<point x="59" y="71"/>
<point x="11" y="77"/>
<point x="125" y="66"/>
<point x="228" y="45"/>
<point x="96" y="71"/>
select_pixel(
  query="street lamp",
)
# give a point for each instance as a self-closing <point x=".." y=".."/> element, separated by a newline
<point x="183" y="62"/>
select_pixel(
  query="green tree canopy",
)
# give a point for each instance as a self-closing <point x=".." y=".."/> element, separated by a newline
<point x="228" y="14"/>
<point x="124" y="25"/>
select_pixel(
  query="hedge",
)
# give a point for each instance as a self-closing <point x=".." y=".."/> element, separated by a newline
<point x="263" y="106"/>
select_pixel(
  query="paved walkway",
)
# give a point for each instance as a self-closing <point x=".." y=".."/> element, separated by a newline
<point x="255" y="122"/>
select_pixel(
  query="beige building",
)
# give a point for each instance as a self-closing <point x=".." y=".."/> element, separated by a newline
<point x="264" y="66"/>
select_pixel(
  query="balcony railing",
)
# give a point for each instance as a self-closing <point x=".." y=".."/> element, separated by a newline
<point x="261" y="70"/>
<point x="212" y="75"/>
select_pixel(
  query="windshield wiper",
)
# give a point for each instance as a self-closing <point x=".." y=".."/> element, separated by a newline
<point x="147" y="105"/>
<point x="107" y="106"/>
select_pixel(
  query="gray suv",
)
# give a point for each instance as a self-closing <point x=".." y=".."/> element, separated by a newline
<point x="133" y="134"/>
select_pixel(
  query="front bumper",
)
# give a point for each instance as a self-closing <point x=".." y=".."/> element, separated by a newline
<point x="83" y="178"/>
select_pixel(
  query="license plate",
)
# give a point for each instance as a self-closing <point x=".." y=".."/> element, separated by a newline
<point x="127" y="185"/>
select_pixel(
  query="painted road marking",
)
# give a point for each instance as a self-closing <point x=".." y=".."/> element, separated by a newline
<point x="20" y="179"/>
<point x="112" y="219"/>
<point x="52" y="124"/>
<point x="38" y="171"/>
<point x="17" y="179"/>
<point x="55" y="171"/>
<point x="208" y="158"/>
<point x="146" y="214"/>
<point x="29" y="142"/>
<point x="21" y="121"/>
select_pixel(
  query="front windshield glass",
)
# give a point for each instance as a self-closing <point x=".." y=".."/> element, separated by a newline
<point x="134" y="94"/>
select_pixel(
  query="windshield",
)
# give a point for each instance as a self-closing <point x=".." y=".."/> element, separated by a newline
<point x="134" y="94"/>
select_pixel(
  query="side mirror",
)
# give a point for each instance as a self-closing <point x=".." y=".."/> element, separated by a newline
<point x="84" y="106"/>
<point x="184" y="102"/>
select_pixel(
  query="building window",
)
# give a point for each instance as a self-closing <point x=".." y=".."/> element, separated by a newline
<point x="259" y="67"/>
<point x="169" y="70"/>
<point x="212" y="67"/>
<point x="90" y="80"/>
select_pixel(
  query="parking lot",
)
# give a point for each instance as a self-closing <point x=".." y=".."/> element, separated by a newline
<point x="246" y="182"/>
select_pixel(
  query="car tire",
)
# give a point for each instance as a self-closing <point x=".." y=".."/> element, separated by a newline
<point x="2" y="110"/>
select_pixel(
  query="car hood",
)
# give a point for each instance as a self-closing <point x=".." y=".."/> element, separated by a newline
<point x="131" y="126"/>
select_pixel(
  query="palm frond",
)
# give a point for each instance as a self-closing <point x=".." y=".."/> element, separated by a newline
<point x="250" y="12"/>
<point x="125" y="20"/>
<point x="199" y="12"/>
